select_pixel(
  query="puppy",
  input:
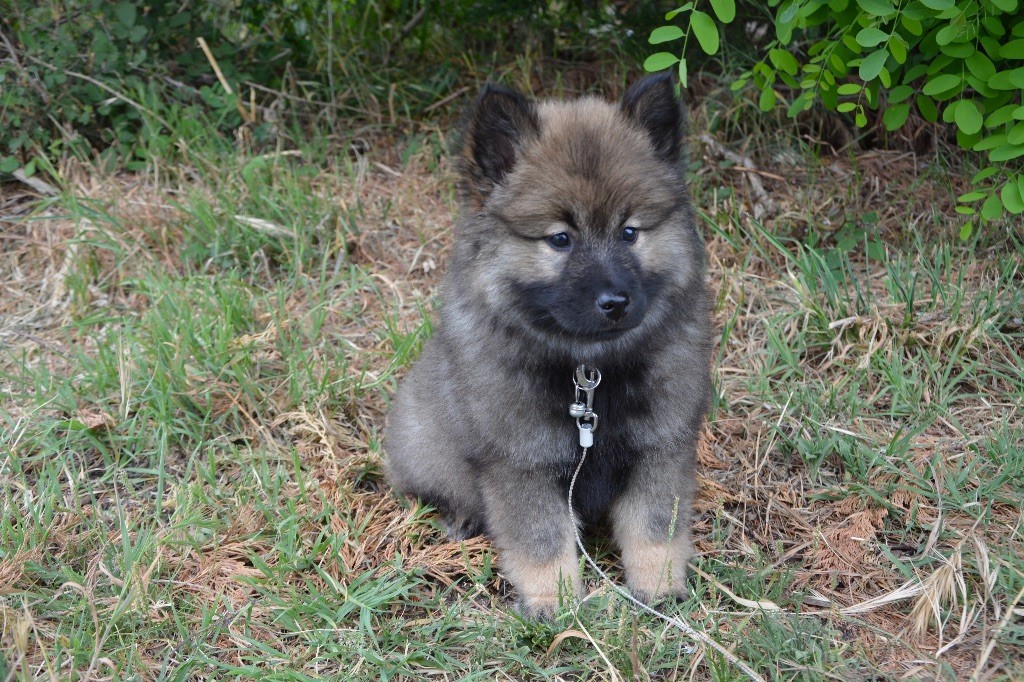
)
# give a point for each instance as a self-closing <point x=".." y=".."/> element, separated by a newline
<point x="575" y="245"/>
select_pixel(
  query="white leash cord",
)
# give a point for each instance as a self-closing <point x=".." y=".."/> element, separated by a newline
<point x="676" y="622"/>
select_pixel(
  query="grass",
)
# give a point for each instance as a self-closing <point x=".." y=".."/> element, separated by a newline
<point x="195" y="365"/>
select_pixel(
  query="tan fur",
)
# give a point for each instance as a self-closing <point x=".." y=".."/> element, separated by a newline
<point x="540" y="585"/>
<point x="655" y="569"/>
<point x="654" y="557"/>
<point x="543" y="182"/>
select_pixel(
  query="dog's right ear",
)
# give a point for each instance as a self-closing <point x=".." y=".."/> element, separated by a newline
<point x="498" y="126"/>
<point x="651" y="104"/>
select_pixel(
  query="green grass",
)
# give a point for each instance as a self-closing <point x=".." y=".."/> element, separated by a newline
<point x="191" y="407"/>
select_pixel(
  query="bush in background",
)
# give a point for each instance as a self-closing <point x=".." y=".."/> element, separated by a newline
<point x="127" y="80"/>
<point x="86" y="75"/>
<point x="961" y="61"/>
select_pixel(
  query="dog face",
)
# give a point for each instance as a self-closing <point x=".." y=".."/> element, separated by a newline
<point x="577" y="218"/>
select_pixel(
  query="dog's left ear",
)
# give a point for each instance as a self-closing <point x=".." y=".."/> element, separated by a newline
<point x="652" y="105"/>
<point x="496" y="129"/>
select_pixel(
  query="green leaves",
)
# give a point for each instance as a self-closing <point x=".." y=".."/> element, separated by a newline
<point x="725" y="10"/>
<point x="1011" y="198"/>
<point x="872" y="65"/>
<point x="900" y="93"/>
<point x="706" y="31"/>
<point x="992" y="208"/>
<point x="895" y="116"/>
<point x="663" y="34"/>
<point x="941" y="84"/>
<point x="871" y="37"/>
<point x="8" y="164"/>
<point x="107" y="67"/>
<point x="878" y="8"/>
<point x="784" y="61"/>
<point x="960" y="62"/>
<point x="659" y="61"/>
<point x="1016" y="134"/>
<point x="125" y="13"/>
<point x="951" y="33"/>
<point x="126" y="26"/>
<point x="1006" y="152"/>
<point x="678" y="10"/>
<point x="980" y="66"/>
<point x="700" y="25"/>
<point x="968" y="118"/>
<point x="898" y="47"/>
<point x="1012" y="50"/>
<point x="1001" y="81"/>
<point x="970" y="197"/>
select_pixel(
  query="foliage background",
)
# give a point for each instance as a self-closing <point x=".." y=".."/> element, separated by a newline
<point x="960" y="60"/>
<point x="92" y="77"/>
<point x="123" y="81"/>
<point x="208" y="296"/>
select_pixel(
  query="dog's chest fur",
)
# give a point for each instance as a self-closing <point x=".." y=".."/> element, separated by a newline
<point x="623" y="403"/>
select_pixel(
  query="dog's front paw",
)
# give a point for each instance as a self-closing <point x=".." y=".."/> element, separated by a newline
<point x="655" y="571"/>
<point x="538" y="608"/>
<point x="543" y="587"/>
<point x="652" y="592"/>
<point x="459" y="528"/>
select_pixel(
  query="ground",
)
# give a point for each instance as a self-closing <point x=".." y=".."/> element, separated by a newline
<point x="196" y="361"/>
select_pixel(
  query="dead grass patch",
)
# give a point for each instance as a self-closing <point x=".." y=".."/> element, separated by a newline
<point x="763" y="498"/>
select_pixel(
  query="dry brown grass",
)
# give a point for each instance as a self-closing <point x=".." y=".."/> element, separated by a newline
<point x="759" y="504"/>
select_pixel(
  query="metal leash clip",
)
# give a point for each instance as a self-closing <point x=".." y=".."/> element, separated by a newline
<point x="582" y="410"/>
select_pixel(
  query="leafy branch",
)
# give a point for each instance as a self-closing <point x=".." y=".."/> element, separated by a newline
<point x="961" y="60"/>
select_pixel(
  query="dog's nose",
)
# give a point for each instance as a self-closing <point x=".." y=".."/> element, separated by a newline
<point x="613" y="305"/>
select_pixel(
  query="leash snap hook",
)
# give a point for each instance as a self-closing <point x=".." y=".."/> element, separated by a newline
<point x="585" y="380"/>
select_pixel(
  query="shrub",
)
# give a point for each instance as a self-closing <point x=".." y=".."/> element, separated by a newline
<point x="128" y="80"/>
<point x="958" y="60"/>
<point x="88" y="74"/>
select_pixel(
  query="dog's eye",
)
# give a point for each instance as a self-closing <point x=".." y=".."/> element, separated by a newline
<point x="559" y="241"/>
<point x="629" y="234"/>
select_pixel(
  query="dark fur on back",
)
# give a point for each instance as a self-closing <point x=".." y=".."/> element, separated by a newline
<point x="575" y="243"/>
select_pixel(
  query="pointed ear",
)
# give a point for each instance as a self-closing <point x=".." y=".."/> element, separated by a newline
<point x="651" y="104"/>
<point x="498" y="126"/>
